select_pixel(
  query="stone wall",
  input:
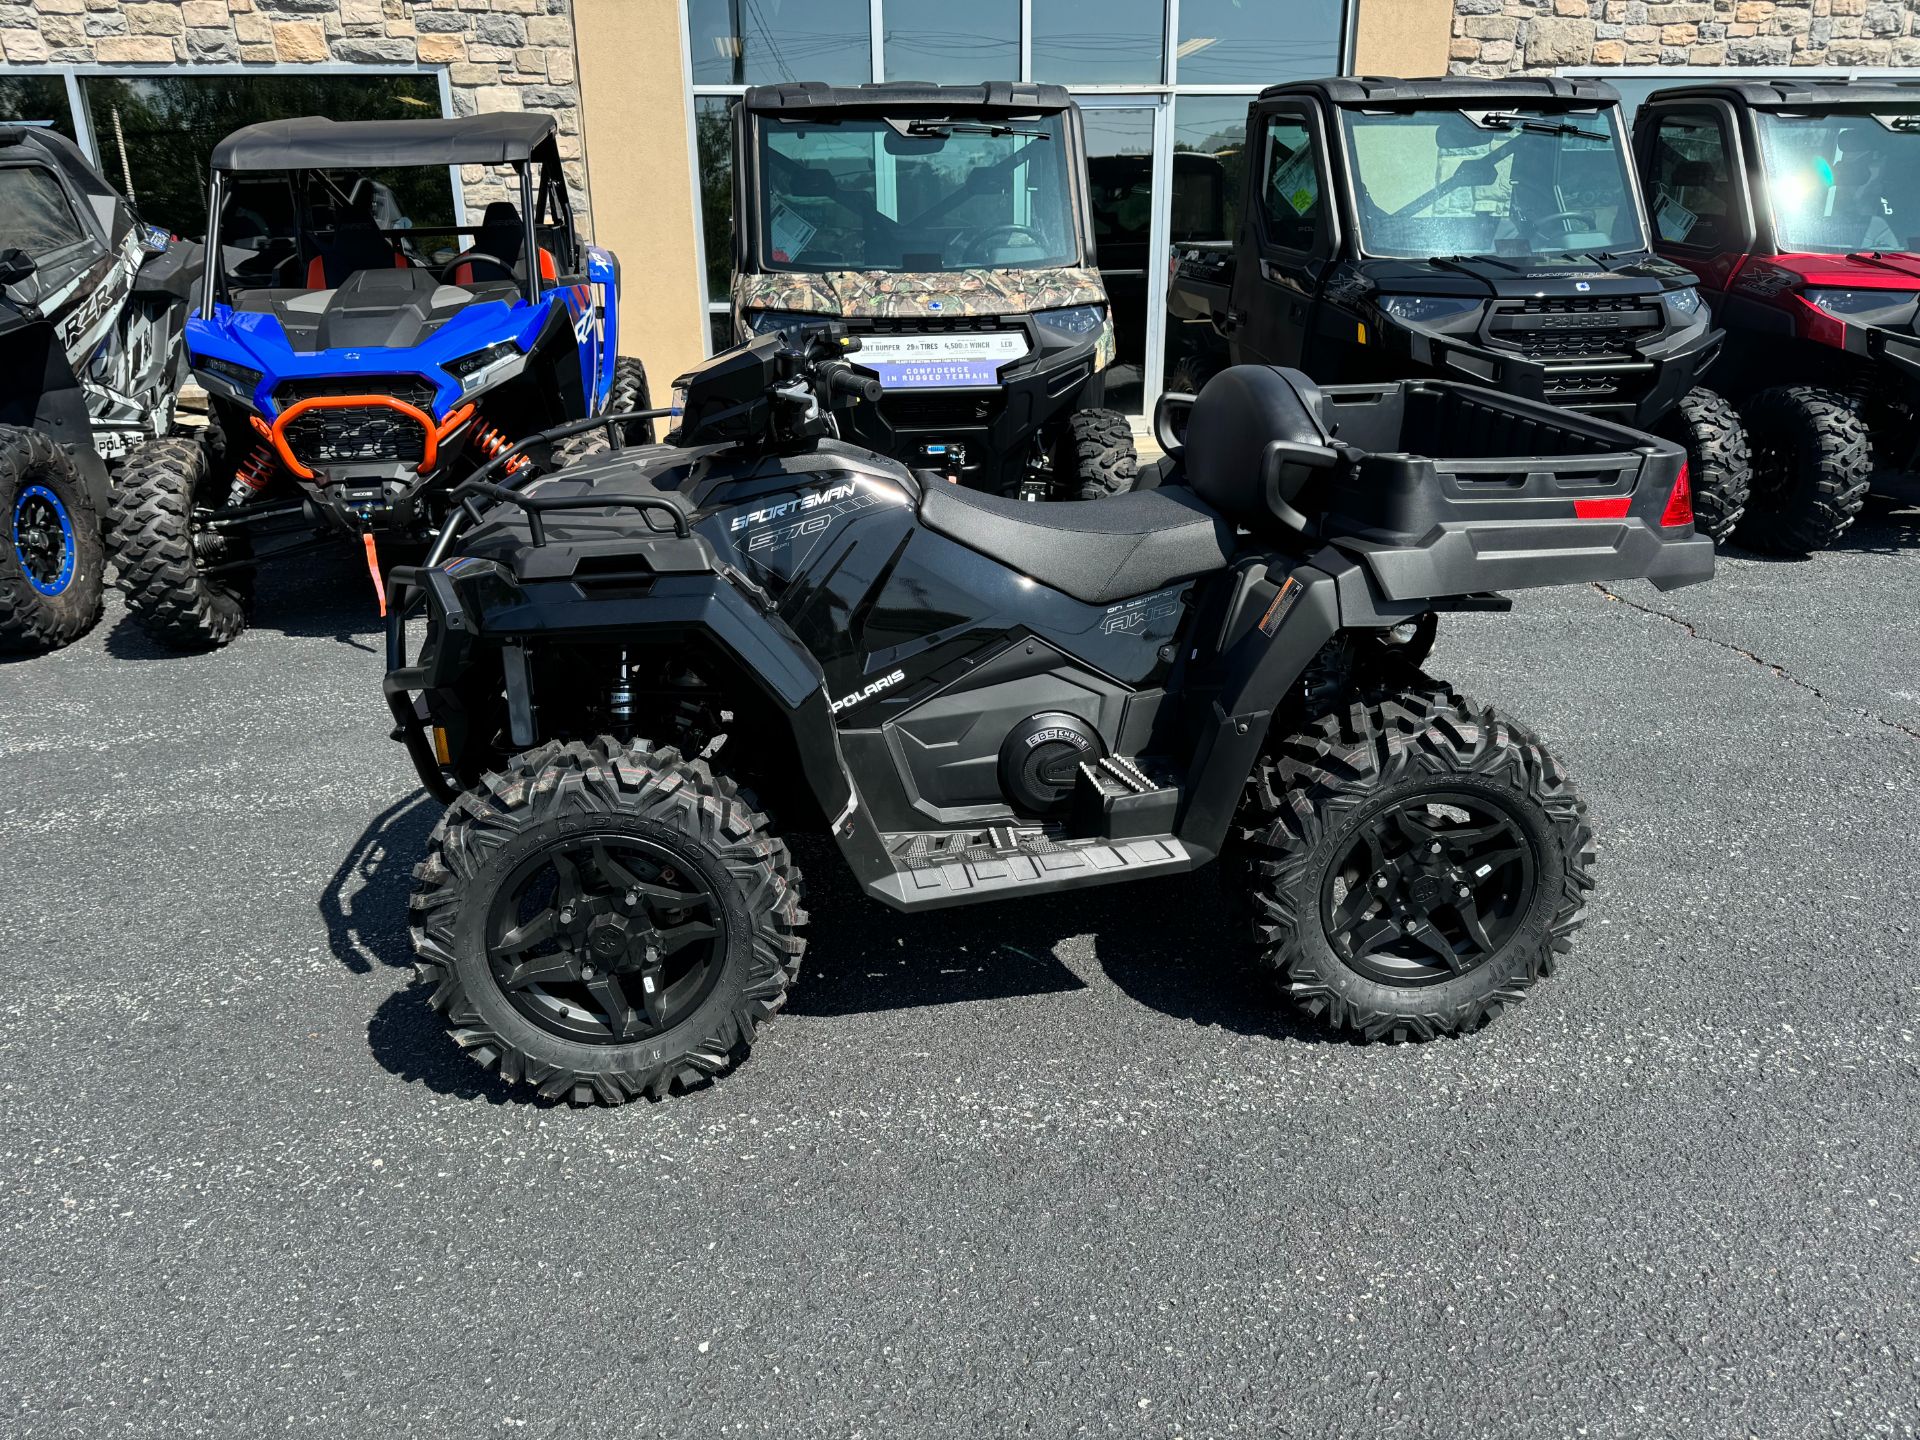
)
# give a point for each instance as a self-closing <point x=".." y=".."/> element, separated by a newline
<point x="1501" y="37"/>
<point x="498" y="54"/>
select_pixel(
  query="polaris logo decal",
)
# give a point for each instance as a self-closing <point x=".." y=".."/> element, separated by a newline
<point x="1581" y="285"/>
<point x="885" y="682"/>
<point x="793" y="507"/>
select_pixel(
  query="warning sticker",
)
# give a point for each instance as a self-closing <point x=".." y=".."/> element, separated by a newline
<point x="1296" y="183"/>
<point x="791" y="232"/>
<point x="1673" y="220"/>
<point x="1283" y="602"/>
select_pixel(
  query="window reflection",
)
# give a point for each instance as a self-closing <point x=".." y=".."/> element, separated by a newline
<point x="952" y="44"/>
<point x="1119" y="42"/>
<point x="765" y="42"/>
<point x="1256" y="42"/>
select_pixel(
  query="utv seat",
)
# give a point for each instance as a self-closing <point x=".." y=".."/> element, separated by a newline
<point x="1097" y="551"/>
<point x="495" y="251"/>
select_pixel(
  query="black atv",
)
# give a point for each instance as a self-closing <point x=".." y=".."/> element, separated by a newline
<point x="1481" y="230"/>
<point x="627" y="667"/>
<point x="950" y="228"/>
<point x="92" y="307"/>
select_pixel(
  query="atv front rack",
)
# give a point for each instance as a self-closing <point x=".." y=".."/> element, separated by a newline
<point x="468" y="511"/>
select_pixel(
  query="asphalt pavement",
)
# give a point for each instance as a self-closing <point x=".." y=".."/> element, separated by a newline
<point x="1056" y="1168"/>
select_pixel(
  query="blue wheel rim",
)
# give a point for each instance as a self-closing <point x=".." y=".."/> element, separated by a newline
<point x="43" y="540"/>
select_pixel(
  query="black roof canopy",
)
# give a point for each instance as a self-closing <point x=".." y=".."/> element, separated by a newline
<point x="895" y="97"/>
<point x="314" y="142"/>
<point x="1443" y="91"/>
<point x="1797" y="94"/>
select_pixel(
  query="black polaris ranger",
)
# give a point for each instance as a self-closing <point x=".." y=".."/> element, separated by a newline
<point x="982" y="699"/>
<point x="947" y="226"/>
<point x="1482" y="230"/>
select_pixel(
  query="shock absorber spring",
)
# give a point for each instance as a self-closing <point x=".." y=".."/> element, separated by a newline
<point x="254" y="474"/>
<point x="489" y="440"/>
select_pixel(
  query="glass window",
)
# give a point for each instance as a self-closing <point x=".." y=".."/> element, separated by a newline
<point x="1691" y="199"/>
<point x="952" y="44"/>
<point x="764" y="42"/>
<point x="1120" y="184"/>
<point x="1125" y="45"/>
<point x="161" y="130"/>
<point x="1843" y="182"/>
<point x="1290" y="186"/>
<point x="713" y="132"/>
<point x="1209" y="166"/>
<point x="1257" y="42"/>
<point x="36" y="97"/>
<point x="34" y="214"/>
<point x="860" y="195"/>
<point x="1518" y="183"/>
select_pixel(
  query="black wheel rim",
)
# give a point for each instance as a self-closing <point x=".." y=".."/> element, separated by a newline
<point x="1771" y="463"/>
<point x="43" y="540"/>
<point x="606" y="939"/>
<point x="1430" y="887"/>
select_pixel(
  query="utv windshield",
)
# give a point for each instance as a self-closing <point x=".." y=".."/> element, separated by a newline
<point x="915" y="195"/>
<point x="1843" y="183"/>
<point x="1500" y="182"/>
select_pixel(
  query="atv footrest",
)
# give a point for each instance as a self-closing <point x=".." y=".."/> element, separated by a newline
<point x="955" y="867"/>
<point x="1115" y="798"/>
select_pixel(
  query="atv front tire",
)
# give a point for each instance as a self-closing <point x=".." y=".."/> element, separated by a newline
<point x="1812" y="462"/>
<point x="1412" y="866"/>
<point x="1719" y="470"/>
<point x="160" y="552"/>
<point x="1095" y="456"/>
<point x="606" y="921"/>
<point x="52" y="559"/>
<point x="630" y="392"/>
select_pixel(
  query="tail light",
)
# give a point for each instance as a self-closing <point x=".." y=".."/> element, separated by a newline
<point x="1679" y="509"/>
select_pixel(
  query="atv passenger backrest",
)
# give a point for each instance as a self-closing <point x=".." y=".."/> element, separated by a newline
<point x="1253" y="435"/>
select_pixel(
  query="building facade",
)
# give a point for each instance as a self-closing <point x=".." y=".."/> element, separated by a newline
<point x="640" y="91"/>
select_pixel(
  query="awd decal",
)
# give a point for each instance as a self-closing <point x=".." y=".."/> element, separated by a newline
<point x="1135" y="616"/>
<point x="885" y="682"/>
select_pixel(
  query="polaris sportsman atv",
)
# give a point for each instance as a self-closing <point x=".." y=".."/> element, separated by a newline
<point x="981" y="699"/>
<point x="1797" y="202"/>
<point x="362" y="355"/>
<point x="92" y="305"/>
<point x="949" y="228"/>
<point x="1480" y="230"/>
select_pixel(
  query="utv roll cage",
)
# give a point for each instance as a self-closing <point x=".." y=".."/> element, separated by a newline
<point x="315" y="143"/>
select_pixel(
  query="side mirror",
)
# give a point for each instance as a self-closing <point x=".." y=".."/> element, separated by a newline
<point x="15" y="266"/>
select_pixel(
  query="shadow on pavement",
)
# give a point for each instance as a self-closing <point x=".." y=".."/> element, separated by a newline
<point x="364" y="902"/>
<point x="320" y="595"/>
<point x="412" y="1043"/>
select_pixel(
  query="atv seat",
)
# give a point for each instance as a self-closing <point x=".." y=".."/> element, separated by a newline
<point x="352" y="246"/>
<point x="1097" y="551"/>
<point x="496" y="249"/>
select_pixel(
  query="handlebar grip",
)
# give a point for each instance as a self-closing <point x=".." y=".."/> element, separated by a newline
<point x="843" y="379"/>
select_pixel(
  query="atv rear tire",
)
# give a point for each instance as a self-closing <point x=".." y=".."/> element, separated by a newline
<point x="1812" y="461"/>
<point x="571" y="988"/>
<point x="1095" y="456"/>
<point x="1719" y="470"/>
<point x="630" y="392"/>
<point x="1374" y="904"/>
<point x="159" y="552"/>
<point x="53" y="562"/>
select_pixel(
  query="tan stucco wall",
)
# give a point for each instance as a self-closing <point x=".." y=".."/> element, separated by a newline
<point x="634" y="110"/>
<point x="1402" y="37"/>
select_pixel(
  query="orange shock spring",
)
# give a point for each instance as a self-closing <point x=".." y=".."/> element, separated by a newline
<point x="491" y="442"/>
<point x="255" y="473"/>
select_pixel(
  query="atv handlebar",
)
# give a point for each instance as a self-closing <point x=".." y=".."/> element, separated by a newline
<point x="842" y="378"/>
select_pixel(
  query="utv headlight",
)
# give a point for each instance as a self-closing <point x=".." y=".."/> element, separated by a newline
<point x="483" y="367"/>
<point x="236" y="381"/>
<point x="1074" y="323"/>
<point x="1427" y="309"/>
<point x="1685" y="304"/>
<point x="1875" y="306"/>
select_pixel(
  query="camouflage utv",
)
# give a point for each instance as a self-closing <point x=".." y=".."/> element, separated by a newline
<point x="948" y="227"/>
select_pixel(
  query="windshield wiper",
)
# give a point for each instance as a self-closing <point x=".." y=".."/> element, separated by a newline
<point x="1499" y="120"/>
<point x="947" y="129"/>
<point x="1904" y="122"/>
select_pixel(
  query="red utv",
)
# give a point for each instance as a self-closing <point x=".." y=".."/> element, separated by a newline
<point x="1797" y="203"/>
